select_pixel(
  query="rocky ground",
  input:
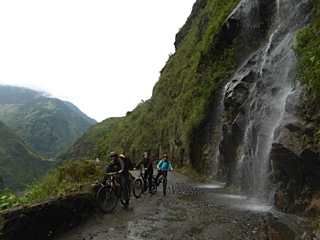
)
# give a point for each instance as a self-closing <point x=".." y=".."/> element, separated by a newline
<point x="191" y="210"/>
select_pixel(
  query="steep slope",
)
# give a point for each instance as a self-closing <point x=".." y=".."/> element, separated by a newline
<point x="86" y="145"/>
<point x="78" y="111"/>
<point x="47" y="125"/>
<point x="19" y="164"/>
<point x="183" y="99"/>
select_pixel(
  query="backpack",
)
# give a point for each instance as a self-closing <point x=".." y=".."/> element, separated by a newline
<point x="127" y="162"/>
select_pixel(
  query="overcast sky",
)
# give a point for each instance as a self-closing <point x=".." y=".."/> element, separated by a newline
<point x="103" y="56"/>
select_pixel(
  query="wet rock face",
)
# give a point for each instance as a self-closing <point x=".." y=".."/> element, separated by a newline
<point x="249" y="24"/>
<point x="296" y="159"/>
<point x="267" y="138"/>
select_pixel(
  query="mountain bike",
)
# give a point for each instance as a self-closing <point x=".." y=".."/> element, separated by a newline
<point x="109" y="193"/>
<point x="141" y="184"/>
<point x="163" y="179"/>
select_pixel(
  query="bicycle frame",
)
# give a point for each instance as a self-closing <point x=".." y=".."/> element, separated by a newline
<point x="108" y="194"/>
<point x="140" y="184"/>
<point x="142" y="176"/>
<point x="113" y="182"/>
<point x="164" y="173"/>
<point x="163" y="179"/>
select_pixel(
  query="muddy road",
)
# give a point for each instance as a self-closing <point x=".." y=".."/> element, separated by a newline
<point x="191" y="210"/>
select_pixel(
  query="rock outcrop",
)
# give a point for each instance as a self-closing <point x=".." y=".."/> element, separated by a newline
<point x="268" y="141"/>
<point x="296" y="159"/>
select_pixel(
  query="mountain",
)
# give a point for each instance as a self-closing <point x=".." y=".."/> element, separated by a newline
<point x="48" y="125"/>
<point x="19" y="164"/>
<point x="86" y="145"/>
<point x="78" y="111"/>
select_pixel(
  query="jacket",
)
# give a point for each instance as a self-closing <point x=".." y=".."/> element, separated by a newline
<point x="164" y="165"/>
<point x="117" y="166"/>
<point x="147" y="163"/>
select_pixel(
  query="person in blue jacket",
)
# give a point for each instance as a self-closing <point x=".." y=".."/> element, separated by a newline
<point x="163" y="166"/>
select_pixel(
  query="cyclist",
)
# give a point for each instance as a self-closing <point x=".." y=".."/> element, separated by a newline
<point x="163" y="167"/>
<point x="117" y="165"/>
<point x="147" y="164"/>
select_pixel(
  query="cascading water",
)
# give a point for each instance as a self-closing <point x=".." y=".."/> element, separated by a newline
<point x="257" y="94"/>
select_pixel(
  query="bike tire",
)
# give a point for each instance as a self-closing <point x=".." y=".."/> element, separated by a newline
<point x="121" y="199"/>
<point x="137" y="188"/>
<point x="164" y="183"/>
<point x="106" y="199"/>
<point x="153" y="186"/>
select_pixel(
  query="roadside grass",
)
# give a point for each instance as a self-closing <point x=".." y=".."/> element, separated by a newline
<point x="73" y="176"/>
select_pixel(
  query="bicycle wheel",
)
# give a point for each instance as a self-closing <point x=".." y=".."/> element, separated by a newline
<point x="128" y="189"/>
<point x="137" y="188"/>
<point x="164" y="186"/>
<point x="153" y="185"/>
<point x="107" y="199"/>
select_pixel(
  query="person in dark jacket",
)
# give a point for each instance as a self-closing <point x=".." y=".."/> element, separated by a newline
<point x="117" y="165"/>
<point x="148" y="169"/>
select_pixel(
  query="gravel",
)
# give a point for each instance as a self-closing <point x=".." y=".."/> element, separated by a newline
<point x="191" y="210"/>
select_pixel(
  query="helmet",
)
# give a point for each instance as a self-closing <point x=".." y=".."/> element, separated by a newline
<point x="113" y="154"/>
<point x="145" y="153"/>
<point x="165" y="155"/>
<point x="122" y="155"/>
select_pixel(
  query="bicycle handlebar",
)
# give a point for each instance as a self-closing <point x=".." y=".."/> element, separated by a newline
<point x="99" y="182"/>
<point x="111" y="173"/>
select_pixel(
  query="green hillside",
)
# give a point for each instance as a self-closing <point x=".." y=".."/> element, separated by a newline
<point x="86" y="145"/>
<point x="48" y="125"/>
<point x="171" y="121"/>
<point x="19" y="164"/>
<point x="180" y="115"/>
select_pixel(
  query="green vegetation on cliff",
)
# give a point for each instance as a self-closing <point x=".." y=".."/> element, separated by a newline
<point x="308" y="68"/>
<point x="308" y="50"/>
<point x="169" y="122"/>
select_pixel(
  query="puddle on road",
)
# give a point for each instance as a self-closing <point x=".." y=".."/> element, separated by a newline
<point x="212" y="185"/>
<point x="246" y="203"/>
<point x="278" y="230"/>
<point x="238" y="202"/>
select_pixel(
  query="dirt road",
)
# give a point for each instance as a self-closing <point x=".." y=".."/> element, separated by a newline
<point x="190" y="210"/>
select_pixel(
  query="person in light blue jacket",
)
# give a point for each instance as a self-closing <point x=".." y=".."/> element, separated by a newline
<point x="163" y="166"/>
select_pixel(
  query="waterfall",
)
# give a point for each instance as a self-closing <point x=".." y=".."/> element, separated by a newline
<point x="264" y="57"/>
<point x="266" y="78"/>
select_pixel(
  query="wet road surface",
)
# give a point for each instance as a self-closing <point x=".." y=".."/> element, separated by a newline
<point x="190" y="210"/>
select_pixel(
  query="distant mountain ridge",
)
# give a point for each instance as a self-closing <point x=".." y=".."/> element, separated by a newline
<point x="78" y="111"/>
<point x="46" y="124"/>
